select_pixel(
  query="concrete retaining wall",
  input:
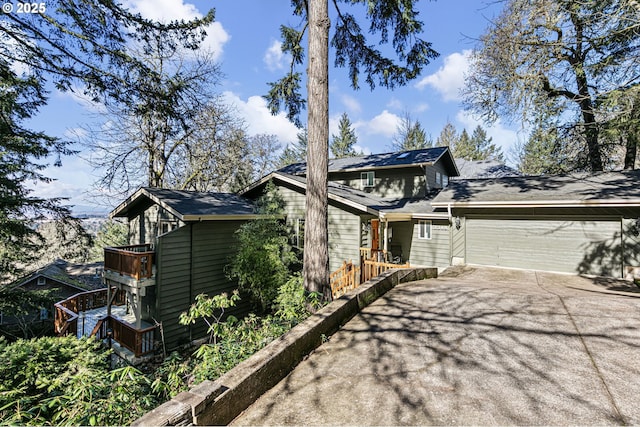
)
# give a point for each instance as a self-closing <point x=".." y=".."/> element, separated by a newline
<point x="219" y="402"/>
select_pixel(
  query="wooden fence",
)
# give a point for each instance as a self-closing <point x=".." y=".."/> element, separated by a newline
<point x="371" y="268"/>
<point x="349" y="276"/>
<point x="344" y="279"/>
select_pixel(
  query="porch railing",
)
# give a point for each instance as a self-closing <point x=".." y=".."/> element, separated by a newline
<point x="138" y="341"/>
<point x="344" y="279"/>
<point x="66" y="319"/>
<point x="371" y="268"/>
<point x="134" y="260"/>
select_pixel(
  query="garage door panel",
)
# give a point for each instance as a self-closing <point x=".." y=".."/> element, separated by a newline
<point x="588" y="247"/>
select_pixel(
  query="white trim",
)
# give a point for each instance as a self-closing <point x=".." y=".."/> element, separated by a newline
<point x="619" y="203"/>
<point x="420" y="229"/>
<point x="368" y="179"/>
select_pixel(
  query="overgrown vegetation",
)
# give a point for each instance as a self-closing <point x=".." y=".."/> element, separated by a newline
<point x="66" y="381"/>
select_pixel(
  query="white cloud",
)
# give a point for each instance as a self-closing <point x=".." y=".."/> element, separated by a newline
<point x="260" y="120"/>
<point x="351" y="103"/>
<point x="171" y="10"/>
<point x="76" y="93"/>
<point x="449" y="79"/>
<point x="384" y="124"/>
<point x="395" y="103"/>
<point x="274" y="58"/>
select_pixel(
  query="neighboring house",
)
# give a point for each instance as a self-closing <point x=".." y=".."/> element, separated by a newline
<point x="581" y="224"/>
<point x="63" y="279"/>
<point x="180" y="243"/>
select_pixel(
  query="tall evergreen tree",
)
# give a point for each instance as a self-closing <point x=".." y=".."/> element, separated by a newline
<point x="448" y="137"/>
<point x="295" y="152"/>
<point x="483" y="148"/>
<point x="342" y="144"/>
<point x="387" y="18"/>
<point x="410" y="135"/>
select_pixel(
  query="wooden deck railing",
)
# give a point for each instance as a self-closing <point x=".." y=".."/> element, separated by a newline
<point x="66" y="320"/>
<point x="138" y="341"/>
<point x="344" y="279"/>
<point x="371" y="268"/>
<point x="133" y="260"/>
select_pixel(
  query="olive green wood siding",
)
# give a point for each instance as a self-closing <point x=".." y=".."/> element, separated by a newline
<point x="563" y="245"/>
<point x="393" y="183"/>
<point x="434" y="252"/>
<point x="344" y="226"/>
<point x="344" y="237"/>
<point x="173" y="280"/>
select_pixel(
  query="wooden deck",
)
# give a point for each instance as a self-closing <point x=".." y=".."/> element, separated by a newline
<point x="135" y="261"/>
<point x="139" y="341"/>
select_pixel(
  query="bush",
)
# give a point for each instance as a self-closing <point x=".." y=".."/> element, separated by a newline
<point x="262" y="262"/>
<point x="67" y="381"/>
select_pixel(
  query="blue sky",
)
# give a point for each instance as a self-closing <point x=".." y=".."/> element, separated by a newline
<point x="245" y="39"/>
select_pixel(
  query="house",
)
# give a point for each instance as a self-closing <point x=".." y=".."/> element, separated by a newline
<point x="62" y="279"/>
<point x="377" y="203"/>
<point x="180" y="243"/>
<point x="580" y="223"/>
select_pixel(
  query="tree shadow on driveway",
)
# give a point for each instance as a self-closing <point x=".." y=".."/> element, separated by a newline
<point x="458" y="351"/>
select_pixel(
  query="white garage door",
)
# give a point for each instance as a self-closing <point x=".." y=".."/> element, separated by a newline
<point x="586" y="247"/>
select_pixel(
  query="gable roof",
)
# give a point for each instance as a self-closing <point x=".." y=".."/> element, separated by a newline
<point x="189" y="205"/>
<point x="344" y="194"/>
<point x="82" y="277"/>
<point x="403" y="159"/>
<point x="573" y="190"/>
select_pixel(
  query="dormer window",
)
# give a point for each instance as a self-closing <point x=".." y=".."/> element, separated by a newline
<point x="442" y="180"/>
<point x="42" y="281"/>
<point x="368" y="179"/>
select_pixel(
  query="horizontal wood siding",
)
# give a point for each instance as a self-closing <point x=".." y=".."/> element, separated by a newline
<point x="631" y="243"/>
<point x="344" y="237"/>
<point x="434" y="252"/>
<point x="563" y="245"/>
<point x="399" y="183"/>
<point x="173" y="276"/>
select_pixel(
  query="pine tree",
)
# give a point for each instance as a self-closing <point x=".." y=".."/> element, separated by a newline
<point x="295" y="152"/>
<point x="342" y="144"/>
<point x="410" y="135"/>
<point x="483" y="148"/>
<point x="448" y="137"/>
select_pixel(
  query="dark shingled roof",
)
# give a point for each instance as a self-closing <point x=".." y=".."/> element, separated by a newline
<point x="470" y="169"/>
<point x="607" y="186"/>
<point x="376" y="161"/>
<point x="187" y="204"/>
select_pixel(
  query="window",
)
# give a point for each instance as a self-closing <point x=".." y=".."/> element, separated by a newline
<point x="442" y="180"/>
<point x="166" y="226"/>
<point x="424" y="230"/>
<point x="42" y="281"/>
<point x="44" y="314"/>
<point x="299" y="237"/>
<point x="368" y="179"/>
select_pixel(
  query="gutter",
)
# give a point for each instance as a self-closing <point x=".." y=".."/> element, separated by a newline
<point x="540" y="204"/>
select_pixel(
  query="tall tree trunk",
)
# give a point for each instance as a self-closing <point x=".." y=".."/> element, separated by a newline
<point x="316" y="244"/>
<point x="584" y="97"/>
<point x="632" y="150"/>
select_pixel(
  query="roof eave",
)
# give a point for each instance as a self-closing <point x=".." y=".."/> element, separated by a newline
<point x="540" y="204"/>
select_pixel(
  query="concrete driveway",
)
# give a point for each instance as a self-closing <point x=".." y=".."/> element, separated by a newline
<point x="477" y="346"/>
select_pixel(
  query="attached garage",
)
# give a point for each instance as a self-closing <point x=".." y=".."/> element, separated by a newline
<point x="563" y="245"/>
<point x="577" y="223"/>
